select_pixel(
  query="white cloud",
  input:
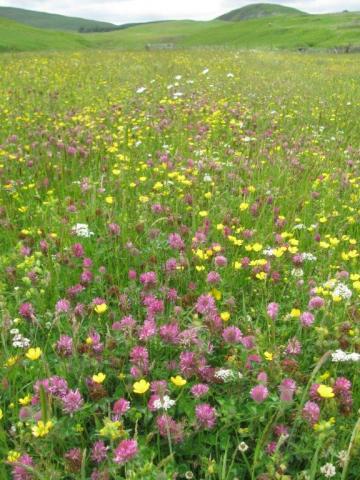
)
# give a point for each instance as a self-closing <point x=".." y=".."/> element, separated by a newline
<point x="122" y="11"/>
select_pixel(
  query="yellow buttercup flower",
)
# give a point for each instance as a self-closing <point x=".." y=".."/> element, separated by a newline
<point x="141" y="387"/>
<point x="1" y="414"/>
<point x="225" y="316"/>
<point x="268" y="356"/>
<point x="33" y="353"/>
<point x="11" y="361"/>
<point x="99" y="377"/>
<point x="41" y="429"/>
<point x="261" y="276"/>
<point x="257" y="247"/>
<point x="25" y="400"/>
<point x="13" y="455"/>
<point x="179" y="381"/>
<point x="216" y="294"/>
<point x="101" y="308"/>
<point x="325" y="392"/>
<point x="295" y="313"/>
<point x="109" y="200"/>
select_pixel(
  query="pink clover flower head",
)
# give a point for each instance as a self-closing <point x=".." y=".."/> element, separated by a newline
<point x="125" y="451"/>
<point x="259" y="393"/>
<point x="205" y="415"/>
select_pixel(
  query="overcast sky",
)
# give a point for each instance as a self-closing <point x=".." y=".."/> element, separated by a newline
<point x="122" y="11"/>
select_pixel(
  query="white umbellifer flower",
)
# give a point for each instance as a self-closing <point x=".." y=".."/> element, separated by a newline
<point x="82" y="230"/>
<point x="165" y="403"/>
<point x="328" y="470"/>
<point x="225" y="374"/>
<point x="207" y="178"/>
<point x="230" y="75"/>
<point x="19" y="341"/>
<point x="14" y="331"/>
<point x="342" y="456"/>
<point x="299" y="226"/>
<point x="354" y="357"/>
<point x="268" y="252"/>
<point x="297" y="272"/>
<point x="341" y="356"/>
<point x="141" y="90"/>
<point x="205" y="71"/>
<point x="178" y="77"/>
<point x="309" y="257"/>
<point x="178" y="94"/>
<point x="341" y="290"/>
<point x="243" y="447"/>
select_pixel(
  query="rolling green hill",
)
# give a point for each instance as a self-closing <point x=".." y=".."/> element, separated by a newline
<point x="285" y="32"/>
<point x="259" y="10"/>
<point x="52" y="21"/>
<point x="281" y="32"/>
<point x="18" y="37"/>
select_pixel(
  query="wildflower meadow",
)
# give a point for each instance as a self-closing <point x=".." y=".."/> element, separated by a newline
<point x="180" y="279"/>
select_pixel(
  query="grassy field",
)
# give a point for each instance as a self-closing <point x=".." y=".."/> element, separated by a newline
<point x="18" y="37"/>
<point x="284" y="32"/>
<point x="278" y="32"/>
<point x="179" y="281"/>
<point x="50" y="20"/>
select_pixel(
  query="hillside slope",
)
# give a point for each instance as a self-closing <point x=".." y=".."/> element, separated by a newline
<point x="280" y="32"/>
<point x="52" y="21"/>
<point x="16" y="37"/>
<point x="285" y="32"/>
<point x="259" y="10"/>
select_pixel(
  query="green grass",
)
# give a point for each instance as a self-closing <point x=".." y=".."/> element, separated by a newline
<point x="279" y="32"/>
<point x="50" y="20"/>
<point x="319" y="31"/>
<point x="17" y="37"/>
<point x="248" y="170"/>
<point x="259" y="10"/>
